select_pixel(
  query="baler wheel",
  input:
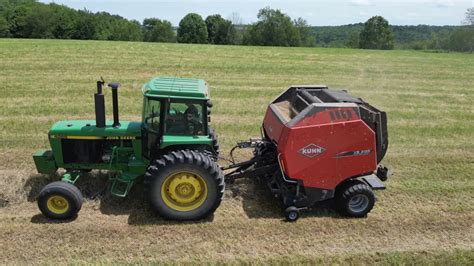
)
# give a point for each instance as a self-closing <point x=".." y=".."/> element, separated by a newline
<point x="356" y="200"/>
<point x="184" y="185"/>
<point x="60" y="200"/>
<point x="292" y="214"/>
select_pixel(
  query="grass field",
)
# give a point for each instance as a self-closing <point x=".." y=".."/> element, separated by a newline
<point x="425" y="216"/>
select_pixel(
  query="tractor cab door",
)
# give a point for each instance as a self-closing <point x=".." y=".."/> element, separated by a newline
<point x="152" y="130"/>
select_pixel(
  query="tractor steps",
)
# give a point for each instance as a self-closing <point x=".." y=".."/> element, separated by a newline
<point x="122" y="184"/>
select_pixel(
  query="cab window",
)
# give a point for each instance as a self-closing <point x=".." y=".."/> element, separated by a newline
<point x="151" y="115"/>
<point x="185" y="118"/>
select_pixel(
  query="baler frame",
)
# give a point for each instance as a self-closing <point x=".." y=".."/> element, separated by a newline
<point x="307" y="101"/>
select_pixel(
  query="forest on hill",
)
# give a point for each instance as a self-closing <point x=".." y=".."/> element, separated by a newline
<point x="32" y="19"/>
<point x="406" y="37"/>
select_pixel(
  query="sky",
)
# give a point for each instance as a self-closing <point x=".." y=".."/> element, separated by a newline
<point x="317" y="13"/>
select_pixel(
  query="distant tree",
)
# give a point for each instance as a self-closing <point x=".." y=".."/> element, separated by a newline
<point x="353" y="41"/>
<point x="40" y="23"/>
<point x="158" y="30"/>
<point x="85" y="26"/>
<point x="462" y="40"/>
<point x="4" y="7"/>
<point x="192" y="29"/>
<point x="104" y="25"/>
<point x="273" y="28"/>
<point x="33" y="19"/>
<point x="376" y="34"/>
<point x="212" y="23"/>
<point x="4" y="32"/>
<point x="469" y="19"/>
<point x="220" y="30"/>
<point x="226" y="33"/>
<point x="306" y="39"/>
<point x="18" y="21"/>
<point x="124" y="30"/>
<point x="63" y="21"/>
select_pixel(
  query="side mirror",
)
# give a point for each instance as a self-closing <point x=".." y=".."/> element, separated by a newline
<point x="209" y="104"/>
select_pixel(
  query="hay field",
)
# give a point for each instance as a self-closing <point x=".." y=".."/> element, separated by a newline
<point x="425" y="216"/>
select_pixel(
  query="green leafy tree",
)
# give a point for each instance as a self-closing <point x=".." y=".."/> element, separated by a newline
<point x="212" y="24"/>
<point x="226" y="33"/>
<point x="63" y="22"/>
<point x="156" y="30"/>
<point x="18" y="21"/>
<point x="462" y="40"/>
<point x="273" y="28"/>
<point x="306" y="39"/>
<point x="192" y="29"/>
<point x="353" y="41"/>
<point x="104" y="24"/>
<point x="376" y="34"/>
<point x="4" y="32"/>
<point x="33" y="19"/>
<point x="85" y="26"/>
<point x="40" y="23"/>
<point x="220" y="30"/>
<point x="124" y="30"/>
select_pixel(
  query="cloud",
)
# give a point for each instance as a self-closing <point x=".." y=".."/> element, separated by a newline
<point x="361" y="2"/>
<point x="444" y="3"/>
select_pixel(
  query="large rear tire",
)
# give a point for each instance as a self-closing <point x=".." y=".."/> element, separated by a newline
<point x="184" y="185"/>
<point x="215" y="141"/>
<point x="60" y="200"/>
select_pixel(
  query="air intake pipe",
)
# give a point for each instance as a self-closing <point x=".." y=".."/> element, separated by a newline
<point x="99" y="106"/>
<point x="114" y="87"/>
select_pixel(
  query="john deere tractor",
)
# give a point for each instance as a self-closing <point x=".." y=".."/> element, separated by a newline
<point x="172" y="151"/>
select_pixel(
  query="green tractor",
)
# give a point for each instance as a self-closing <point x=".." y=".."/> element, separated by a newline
<point x="173" y="151"/>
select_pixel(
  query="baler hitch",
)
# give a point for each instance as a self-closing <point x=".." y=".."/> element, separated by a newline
<point x="262" y="163"/>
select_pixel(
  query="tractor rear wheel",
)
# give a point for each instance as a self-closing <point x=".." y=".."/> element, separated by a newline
<point x="215" y="141"/>
<point x="60" y="200"/>
<point x="184" y="185"/>
<point x="355" y="199"/>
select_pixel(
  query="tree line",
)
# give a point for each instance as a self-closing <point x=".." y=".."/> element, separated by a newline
<point x="31" y="19"/>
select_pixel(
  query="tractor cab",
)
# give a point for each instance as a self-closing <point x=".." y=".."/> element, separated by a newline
<point x="176" y="112"/>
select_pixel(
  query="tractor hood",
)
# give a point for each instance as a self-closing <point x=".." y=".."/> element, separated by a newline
<point x="86" y="129"/>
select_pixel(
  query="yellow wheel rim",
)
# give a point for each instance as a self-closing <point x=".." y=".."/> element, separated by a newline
<point x="184" y="191"/>
<point x="58" y="204"/>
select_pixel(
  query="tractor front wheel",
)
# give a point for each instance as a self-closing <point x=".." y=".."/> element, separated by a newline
<point x="184" y="185"/>
<point x="60" y="200"/>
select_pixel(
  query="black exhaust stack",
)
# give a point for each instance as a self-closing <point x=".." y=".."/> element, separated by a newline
<point x="99" y="105"/>
<point x="114" y="87"/>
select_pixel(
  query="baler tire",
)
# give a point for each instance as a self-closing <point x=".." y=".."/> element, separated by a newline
<point x="215" y="141"/>
<point x="354" y="195"/>
<point x="60" y="200"/>
<point x="292" y="214"/>
<point x="184" y="163"/>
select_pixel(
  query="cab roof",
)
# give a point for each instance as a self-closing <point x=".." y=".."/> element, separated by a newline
<point x="173" y="87"/>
